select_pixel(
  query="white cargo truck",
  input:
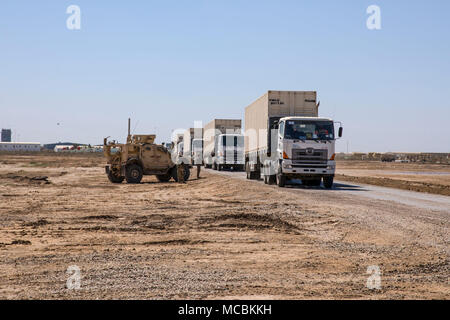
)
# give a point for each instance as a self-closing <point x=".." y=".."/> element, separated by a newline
<point x="223" y="144"/>
<point x="193" y="145"/>
<point x="197" y="151"/>
<point x="285" y="139"/>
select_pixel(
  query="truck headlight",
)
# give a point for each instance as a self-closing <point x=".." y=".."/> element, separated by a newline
<point x="287" y="166"/>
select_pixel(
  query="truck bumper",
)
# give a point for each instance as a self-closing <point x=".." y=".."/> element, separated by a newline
<point x="293" y="170"/>
<point x="222" y="161"/>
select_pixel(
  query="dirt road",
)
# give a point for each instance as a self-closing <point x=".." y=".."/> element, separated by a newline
<point x="218" y="237"/>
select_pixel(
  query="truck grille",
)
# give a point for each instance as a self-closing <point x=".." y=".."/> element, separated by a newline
<point x="234" y="155"/>
<point x="310" y="157"/>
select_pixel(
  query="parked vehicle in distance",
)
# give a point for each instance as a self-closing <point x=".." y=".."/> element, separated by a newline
<point x="285" y="139"/>
<point x="388" y="157"/>
<point x="223" y="144"/>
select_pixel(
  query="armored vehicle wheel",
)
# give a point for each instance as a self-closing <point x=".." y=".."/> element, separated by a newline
<point x="133" y="173"/>
<point x="164" y="177"/>
<point x="115" y="179"/>
<point x="328" y="182"/>
<point x="187" y="173"/>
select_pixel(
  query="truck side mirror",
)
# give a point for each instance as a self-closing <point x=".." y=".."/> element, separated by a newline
<point x="213" y="154"/>
<point x="340" y="132"/>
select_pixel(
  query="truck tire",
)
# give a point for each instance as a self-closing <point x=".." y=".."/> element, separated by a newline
<point x="281" y="180"/>
<point x="133" y="173"/>
<point x="115" y="179"/>
<point x="164" y="177"/>
<point x="328" y="182"/>
<point x="214" y="166"/>
<point x="219" y="167"/>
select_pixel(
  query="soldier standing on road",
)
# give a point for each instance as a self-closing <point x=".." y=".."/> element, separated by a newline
<point x="180" y="172"/>
<point x="198" y="171"/>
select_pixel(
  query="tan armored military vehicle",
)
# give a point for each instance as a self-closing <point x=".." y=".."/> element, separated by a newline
<point x="139" y="156"/>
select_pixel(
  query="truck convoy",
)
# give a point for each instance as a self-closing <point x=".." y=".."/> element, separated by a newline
<point x="285" y="139"/>
<point x="223" y="144"/>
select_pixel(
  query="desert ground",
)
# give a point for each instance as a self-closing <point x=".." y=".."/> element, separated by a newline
<point x="217" y="237"/>
<point x="431" y="178"/>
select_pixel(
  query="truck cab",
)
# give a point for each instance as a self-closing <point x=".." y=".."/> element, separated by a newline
<point x="305" y="150"/>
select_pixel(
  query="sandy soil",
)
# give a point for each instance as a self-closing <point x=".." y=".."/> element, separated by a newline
<point x="216" y="237"/>
<point x="431" y="178"/>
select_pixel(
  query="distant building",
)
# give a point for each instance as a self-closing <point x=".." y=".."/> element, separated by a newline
<point x="20" y="146"/>
<point x="6" y="135"/>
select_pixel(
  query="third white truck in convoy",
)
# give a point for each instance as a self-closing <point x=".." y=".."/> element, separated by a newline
<point x="223" y="144"/>
<point x="193" y="146"/>
<point x="285" y="139"/>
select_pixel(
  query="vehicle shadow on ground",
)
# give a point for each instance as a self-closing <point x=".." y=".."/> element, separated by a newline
<point x="297" y="184"/>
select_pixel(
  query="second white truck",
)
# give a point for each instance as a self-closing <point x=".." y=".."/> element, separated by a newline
<point x="285" y="139"/>
<point x="223" y="144"/>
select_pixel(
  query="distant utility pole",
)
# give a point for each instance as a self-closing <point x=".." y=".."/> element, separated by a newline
<point x="347" y="146"/>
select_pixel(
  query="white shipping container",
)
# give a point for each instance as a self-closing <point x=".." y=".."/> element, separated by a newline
<point x="275" y="104"/>
<point x="218" y="126"/>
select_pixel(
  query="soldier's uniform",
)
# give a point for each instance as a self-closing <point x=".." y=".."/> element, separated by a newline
<point x="198" y="171"/>
<point x="180" y="172"/>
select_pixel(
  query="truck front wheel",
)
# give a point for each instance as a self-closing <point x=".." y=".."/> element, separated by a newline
<point x="133" y="173"/>
<point x="328" y="182"/>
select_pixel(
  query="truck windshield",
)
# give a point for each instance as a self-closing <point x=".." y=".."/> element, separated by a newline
<point x="309" y="130"/>
<point x="236" y="141"/>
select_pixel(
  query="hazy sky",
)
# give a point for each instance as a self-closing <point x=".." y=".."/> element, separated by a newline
<point x="168" y="63"/>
